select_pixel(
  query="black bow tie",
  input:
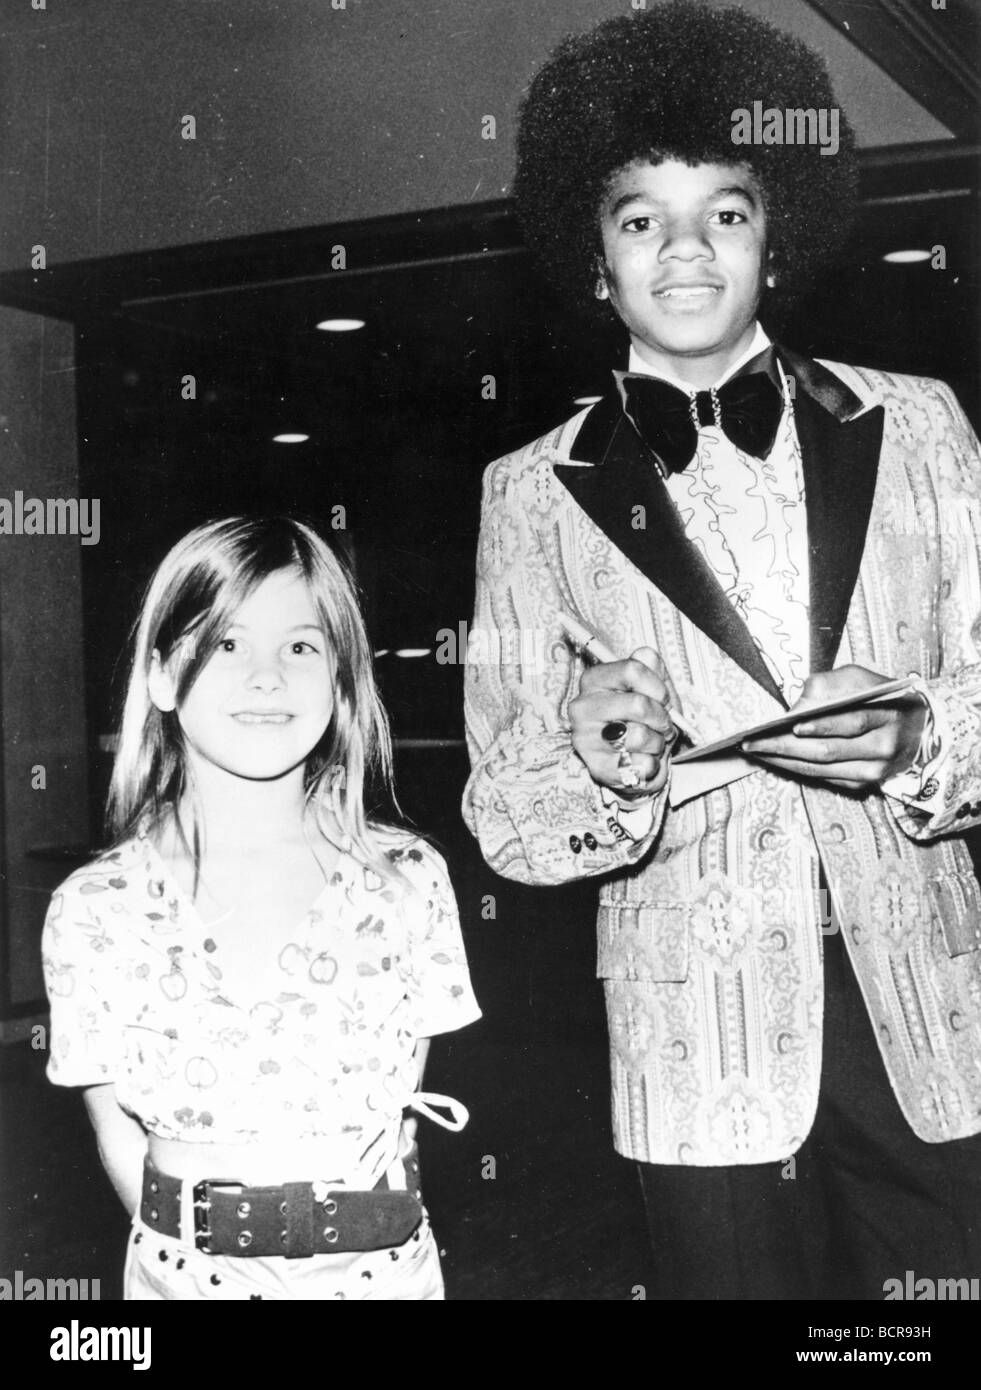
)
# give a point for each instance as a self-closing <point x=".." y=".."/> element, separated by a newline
<point x="747" y="409"/>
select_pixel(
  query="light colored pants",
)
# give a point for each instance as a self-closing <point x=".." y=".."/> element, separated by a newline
<point x="160" y="1268"/>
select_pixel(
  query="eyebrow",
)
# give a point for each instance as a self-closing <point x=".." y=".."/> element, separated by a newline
<point x="725" y="191"/>
<point x="737" y="190"/>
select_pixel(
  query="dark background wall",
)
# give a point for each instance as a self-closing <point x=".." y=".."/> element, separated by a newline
<point x="305" y="114"/>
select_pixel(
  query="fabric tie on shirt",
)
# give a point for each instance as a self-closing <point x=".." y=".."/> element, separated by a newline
<point x="429" y="1104"/>
<point x="747" y="409"/>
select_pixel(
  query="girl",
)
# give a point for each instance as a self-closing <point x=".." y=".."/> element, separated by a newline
<point x="246" y="982"/>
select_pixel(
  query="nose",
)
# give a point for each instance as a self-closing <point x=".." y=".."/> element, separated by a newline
<point x="266" y="674"/>
<point x="686" y="239"/>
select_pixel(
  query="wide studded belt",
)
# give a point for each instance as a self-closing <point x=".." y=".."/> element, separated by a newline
<point x="297" y="1219"/>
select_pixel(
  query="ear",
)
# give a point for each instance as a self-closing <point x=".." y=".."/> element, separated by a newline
<point x="160" y="685"/>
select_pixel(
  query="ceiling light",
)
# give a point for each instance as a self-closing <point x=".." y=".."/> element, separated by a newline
<point x="413" y="651"/>
<point x="340" y="325"/>
<point x="290" y="438"/>
<point x="906" y="257"/>
<point x="586" y="400"/>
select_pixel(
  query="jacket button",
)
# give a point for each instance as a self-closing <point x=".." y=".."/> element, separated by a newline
<point x="589" y="841"/>
<point x="575" y="844"/>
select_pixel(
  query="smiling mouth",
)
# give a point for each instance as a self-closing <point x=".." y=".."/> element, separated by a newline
<point x="687" y="291"/>
<point x="256" y="717"/>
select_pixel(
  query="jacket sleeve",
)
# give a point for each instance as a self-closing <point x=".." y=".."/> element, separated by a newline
<point x="537" y="813"/>
<point x="946" y="797"/>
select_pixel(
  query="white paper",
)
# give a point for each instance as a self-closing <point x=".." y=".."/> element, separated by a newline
<point x="696" y="778"/>
<point x="785" y="722"/>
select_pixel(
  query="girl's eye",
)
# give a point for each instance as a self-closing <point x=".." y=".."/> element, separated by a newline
<point x="729" y="217"/>
<point x="641" y="223"/>
<point x="228" y="644"/>
<point x="301" y="648"/>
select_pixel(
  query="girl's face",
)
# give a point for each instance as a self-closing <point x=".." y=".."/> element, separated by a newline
<point x="264" y="699"/>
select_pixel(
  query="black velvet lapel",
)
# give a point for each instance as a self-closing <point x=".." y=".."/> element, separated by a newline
<point x="625" y="477"/>
<point x="839" y="457"/>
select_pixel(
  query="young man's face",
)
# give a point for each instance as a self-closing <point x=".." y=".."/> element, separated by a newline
<point x="684" y="267"/>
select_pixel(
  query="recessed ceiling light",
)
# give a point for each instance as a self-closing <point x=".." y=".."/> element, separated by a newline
<point x="906" y="257"/>
<point x="586" y="400"/>
<point x="340" y="325"/>
<point x="413" y="651"/>
<point x="290" y="438"/>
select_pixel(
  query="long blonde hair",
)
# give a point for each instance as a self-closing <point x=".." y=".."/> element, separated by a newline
<point x="190" y="603"/>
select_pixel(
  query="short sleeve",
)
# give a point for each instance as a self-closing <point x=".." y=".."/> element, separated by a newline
<point x="78" y="955"/>
<point x="441" y="995"/>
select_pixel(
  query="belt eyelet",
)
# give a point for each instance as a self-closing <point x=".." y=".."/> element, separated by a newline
<point x="330" y="1235"/>
<point x="243" y="1210"/>
<point x="244" y="1239"/>
<point x="330" y="1207"/>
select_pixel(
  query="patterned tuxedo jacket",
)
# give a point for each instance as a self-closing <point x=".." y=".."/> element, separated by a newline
<point x="711" y="927"/>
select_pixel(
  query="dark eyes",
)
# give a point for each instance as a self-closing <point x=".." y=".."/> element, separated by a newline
<point x="724" y="217"/>
<point x="229" y="645"/>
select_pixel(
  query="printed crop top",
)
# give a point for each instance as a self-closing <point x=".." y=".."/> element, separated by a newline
<point x="320" y="1049"/>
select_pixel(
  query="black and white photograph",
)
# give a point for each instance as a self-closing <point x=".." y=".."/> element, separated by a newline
<point x="490" y="664"/>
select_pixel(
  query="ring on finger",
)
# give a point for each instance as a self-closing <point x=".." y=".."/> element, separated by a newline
<point x="614" y="733"/>
<point x="629" y="776"/>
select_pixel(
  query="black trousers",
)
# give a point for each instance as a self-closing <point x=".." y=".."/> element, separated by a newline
<point x="864" y="1201"/>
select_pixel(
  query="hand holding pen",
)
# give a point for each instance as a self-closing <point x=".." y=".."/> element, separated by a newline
<point x="622" y="727"/>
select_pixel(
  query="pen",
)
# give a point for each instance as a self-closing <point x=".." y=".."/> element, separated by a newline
<point x="597" y="650"/>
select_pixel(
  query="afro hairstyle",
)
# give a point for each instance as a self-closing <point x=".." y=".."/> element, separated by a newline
<point x="663" y="84"/>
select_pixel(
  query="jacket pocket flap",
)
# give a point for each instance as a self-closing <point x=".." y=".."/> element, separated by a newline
<point x="643" y="942"/>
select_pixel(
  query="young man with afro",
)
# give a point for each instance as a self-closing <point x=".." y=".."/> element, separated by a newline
<point x="791" y="957"/>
